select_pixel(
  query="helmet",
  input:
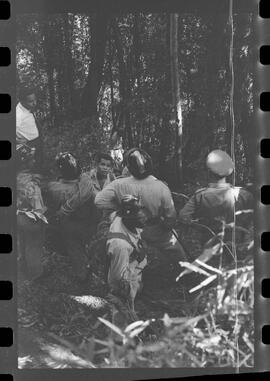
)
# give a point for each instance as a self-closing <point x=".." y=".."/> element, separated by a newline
<point x="68" y="165"/>
<point x="220" y="163"/>
<point x="139" y="163"/>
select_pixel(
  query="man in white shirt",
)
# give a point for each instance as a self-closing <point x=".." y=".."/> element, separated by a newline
<point x="26" y="128"/>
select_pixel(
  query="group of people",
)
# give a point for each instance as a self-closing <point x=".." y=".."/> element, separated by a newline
<point x="137" y="208"/>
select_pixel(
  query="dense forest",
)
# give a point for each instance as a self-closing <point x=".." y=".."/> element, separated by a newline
<point x="158" y="81"/>
<point x="178" y="86"/>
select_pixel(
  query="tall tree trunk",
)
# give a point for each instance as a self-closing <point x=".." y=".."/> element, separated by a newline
<point x="69" y="67"/>
<point x="94" y="80"/>
<point x="48" y="53"/>
<point x="126" y="131"/>
<point x="112" y="84"/>
<point x="176" y="99"/>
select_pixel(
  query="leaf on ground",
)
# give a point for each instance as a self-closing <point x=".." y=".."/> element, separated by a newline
<point x="112" y="327"/>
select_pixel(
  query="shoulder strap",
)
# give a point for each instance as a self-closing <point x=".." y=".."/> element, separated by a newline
<point x="122" y="236"/>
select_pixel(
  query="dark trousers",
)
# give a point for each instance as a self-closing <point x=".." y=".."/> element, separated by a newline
<point x="72" y="236"/>
<point x="30" y="241"/>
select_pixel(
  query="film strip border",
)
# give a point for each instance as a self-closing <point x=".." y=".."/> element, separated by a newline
<point x="7" y="182"/>
<point x="7" y="135"/>
<point x="262" y="123"/>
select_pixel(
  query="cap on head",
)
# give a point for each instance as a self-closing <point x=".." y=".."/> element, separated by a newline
<point x="220" y="163"/>
<point x="68" y="165"/>
<point x="130" y="206"/>
<point x="139" y="163"/>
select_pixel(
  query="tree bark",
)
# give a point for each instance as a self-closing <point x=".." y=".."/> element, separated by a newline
<point x="124" y="90"/>
<point x="69" y="67"/>
<point x="94" y="80"/>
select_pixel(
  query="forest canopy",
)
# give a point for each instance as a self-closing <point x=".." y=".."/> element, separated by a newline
<point x="110" y="78"/>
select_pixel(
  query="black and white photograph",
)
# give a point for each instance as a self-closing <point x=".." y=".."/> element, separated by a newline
<point x="135" y="189"/>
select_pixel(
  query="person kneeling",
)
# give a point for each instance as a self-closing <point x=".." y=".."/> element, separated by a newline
<point x="125" y="252"/>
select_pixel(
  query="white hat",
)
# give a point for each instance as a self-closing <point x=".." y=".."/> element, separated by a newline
<point x="220" y="163"/>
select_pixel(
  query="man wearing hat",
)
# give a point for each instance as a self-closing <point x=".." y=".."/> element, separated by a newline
<point x="220" y="200"/>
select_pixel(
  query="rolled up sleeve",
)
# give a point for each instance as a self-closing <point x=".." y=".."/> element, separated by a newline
<point x="85" y="192"/>
<point x="187" y="213"/>
<point x="106" y="199"/>
<point x="168" y="212"/>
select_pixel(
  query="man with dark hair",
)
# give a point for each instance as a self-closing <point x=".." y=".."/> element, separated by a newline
<point x="90" y="184"/>
<point x="155" y="198"/>
<point x="103" y="173"/>
<point x="27" y="131"/>
<point x="74" y="230"/>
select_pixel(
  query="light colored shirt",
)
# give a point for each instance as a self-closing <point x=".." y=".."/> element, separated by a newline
<point x="120" y="250"/>
<point x="26" y="128"/>
<point x="155" y="198"/>
<point x="217" y="201"/>
<point x="88" y="187"/>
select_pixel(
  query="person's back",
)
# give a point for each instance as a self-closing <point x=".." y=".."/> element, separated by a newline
<point x="70" y="232"/>
<point x="220" y="200"/>
<point x="62" y="190"/>
<point x="215" y="206"/>
<point x="155" y="197"/>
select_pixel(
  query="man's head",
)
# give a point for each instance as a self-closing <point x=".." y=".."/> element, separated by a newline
<point x="27" y="98"/>
<point x="104" y="164"/>
<point x="68" y="166"/>
<point x="132" y="212"/>
<point x="219" y="164"/>
<point x="139" y="163"/>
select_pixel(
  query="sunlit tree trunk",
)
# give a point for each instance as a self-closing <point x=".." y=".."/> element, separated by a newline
<point x="176" y="99"/>
<point x="124" y="91"/>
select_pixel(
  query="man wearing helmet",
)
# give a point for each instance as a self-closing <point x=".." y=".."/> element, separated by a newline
<point x="75" y="229"/>
<point x="218" y="202"/>
<point x="156" y="200"/>
<point x="219" y="199"/>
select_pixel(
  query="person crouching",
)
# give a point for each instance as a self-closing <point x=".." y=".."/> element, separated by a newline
<point x="125" y="251"/>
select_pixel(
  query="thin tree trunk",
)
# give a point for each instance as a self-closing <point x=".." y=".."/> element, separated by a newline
<point x="47" y="46"/>
<point x="177" y="107"/>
